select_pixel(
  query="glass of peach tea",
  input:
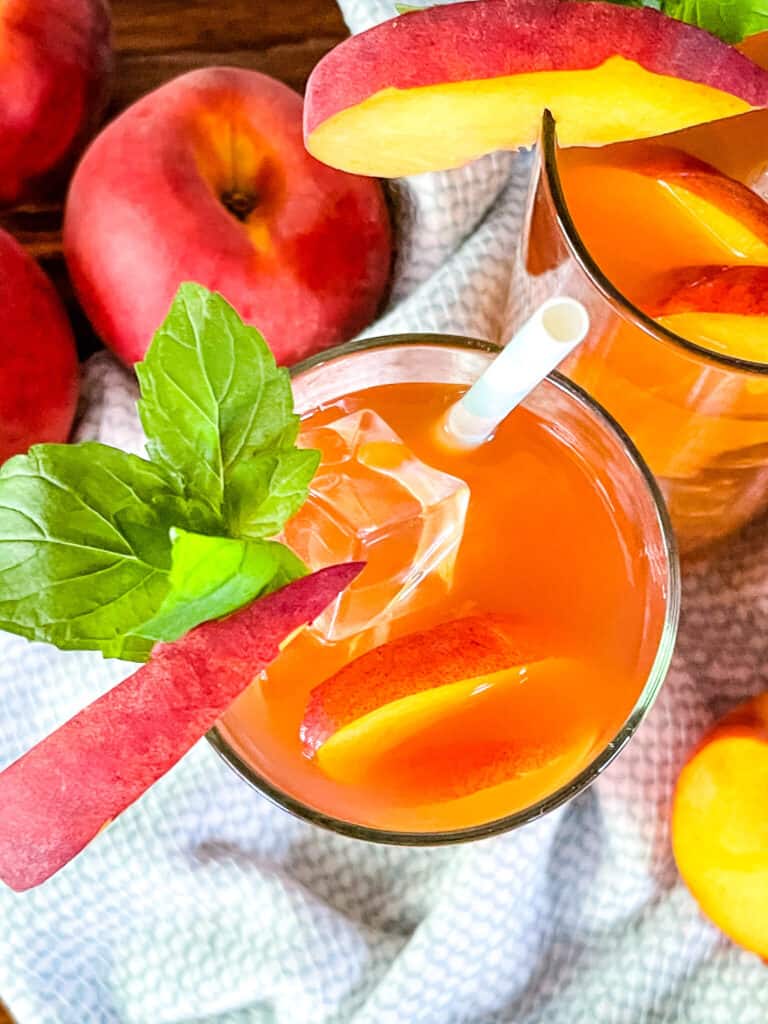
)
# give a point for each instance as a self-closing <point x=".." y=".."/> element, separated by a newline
<point x="512" y="626"/>
<point x="670" y="255"/>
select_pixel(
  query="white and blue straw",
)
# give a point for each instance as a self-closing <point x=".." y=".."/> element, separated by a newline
<point x="554" y="330"/>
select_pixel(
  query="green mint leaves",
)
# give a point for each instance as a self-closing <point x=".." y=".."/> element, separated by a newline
<point x="211" y="395"/>
<point x="731" y="21"/>
<point x="106" y="551"/>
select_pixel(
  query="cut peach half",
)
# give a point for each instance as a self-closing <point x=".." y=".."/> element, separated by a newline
<point x="720" y="825"/>
<point x="455" y="652"/>
<point x="434" y="89"/>
<point x="721" y="308"/>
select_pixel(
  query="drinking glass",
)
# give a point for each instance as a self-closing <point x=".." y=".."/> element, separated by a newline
<point x="609" y="458"/>
<point x="698" y="417"/>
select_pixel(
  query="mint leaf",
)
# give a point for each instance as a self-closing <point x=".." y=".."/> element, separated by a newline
<point x="84" y="546"/>
<point x="211" y="395"/>
<point x="212" y="576"/>
<point x="264" y="492"/>
<point x="732" y="20"/>
<point x="408" y="8"/>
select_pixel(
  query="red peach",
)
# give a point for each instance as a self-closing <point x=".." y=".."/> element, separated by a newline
<point x="38" y="361"/>
<point x="207" y="179"/>
<point x="55" y="63"/>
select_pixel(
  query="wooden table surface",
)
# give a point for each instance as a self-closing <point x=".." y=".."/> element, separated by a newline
<point x="158" y="39"/>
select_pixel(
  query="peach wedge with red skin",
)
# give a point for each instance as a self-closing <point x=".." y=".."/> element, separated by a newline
<point x="434" y="89"/>
<point x="428" y="660"/>
<point x="720" y="825"/>
<point x="722" y="308"/>
<point x="207" y="179"/>
<point x="57" y="797"/>
<point x="38" y="360"/>
<point x="718" y="205"/>
<point x="55" y="65"/>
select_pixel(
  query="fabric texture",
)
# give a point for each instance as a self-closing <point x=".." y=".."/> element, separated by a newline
<point x="204" y="902"/>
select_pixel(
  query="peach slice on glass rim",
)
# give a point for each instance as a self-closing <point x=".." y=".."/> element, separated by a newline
<point x="59" y="795"/>
<point x="720" y="825"/>
<point x="434" y="89"/>
<point x="721" y="308"/>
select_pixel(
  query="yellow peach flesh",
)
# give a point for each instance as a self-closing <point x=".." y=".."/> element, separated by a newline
<point x="398" y="132"/>
<point x="346" y="752"/>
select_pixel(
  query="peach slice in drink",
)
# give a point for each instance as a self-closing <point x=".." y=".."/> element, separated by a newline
<point x="443" y="713"/>
<point x="718" y="207"/>
<point x="722" y="308"/>
<point x="674" y="210"/>
<point x="461" y="649"/>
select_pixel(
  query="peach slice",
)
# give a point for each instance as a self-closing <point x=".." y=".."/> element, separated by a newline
<point x="516" y="726"/>
<point x="345" y="754"/>
<point x="720" y="825"/>
<point x="57" y="797"/>
<point x="436" y="88"/>
<point x="455" y="652"/>
<point x="719" y="206"/>
<point x="722" y="308"/>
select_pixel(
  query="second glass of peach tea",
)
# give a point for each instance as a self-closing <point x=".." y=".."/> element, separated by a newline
<point x="669" y="252"/>
<point x="513" y="624"/>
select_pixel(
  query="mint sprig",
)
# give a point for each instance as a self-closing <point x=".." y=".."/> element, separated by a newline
<point x="101" y="550"/>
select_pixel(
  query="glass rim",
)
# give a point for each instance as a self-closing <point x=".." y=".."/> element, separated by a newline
<point x="601" y="760"/>
<point x="578" y="249"/>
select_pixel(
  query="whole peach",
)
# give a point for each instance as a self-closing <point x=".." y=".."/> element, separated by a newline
<point x="207" y="179"/>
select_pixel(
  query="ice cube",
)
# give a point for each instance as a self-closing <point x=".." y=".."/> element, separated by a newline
<point x="372" y="499"/>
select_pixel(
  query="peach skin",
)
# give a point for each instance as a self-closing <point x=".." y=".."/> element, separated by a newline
<point x="57" y="797"/>
<point x="207" y="179"/>
<point x="436" y="88"/>
<point x="720" y="825"/>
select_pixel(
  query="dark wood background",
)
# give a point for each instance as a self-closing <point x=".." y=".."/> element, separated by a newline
<point x="158" y="39"/>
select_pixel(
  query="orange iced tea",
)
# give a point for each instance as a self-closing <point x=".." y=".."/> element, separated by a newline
<point x="670" y="253"/>
<point x="548" y="532"/>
